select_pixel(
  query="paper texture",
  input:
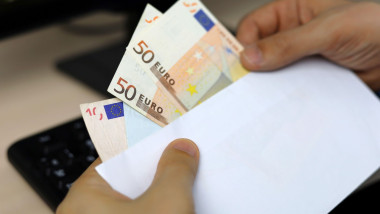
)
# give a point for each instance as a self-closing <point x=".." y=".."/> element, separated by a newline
<point x="137" y="126"/>
<point x="294" y="141"/>
<point x="105" y="124"/>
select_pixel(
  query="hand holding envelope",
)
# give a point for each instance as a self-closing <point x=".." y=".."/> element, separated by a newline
<point x="171" y="192"/>
<point x="295" y="141"/>
<point x="292" y="141"/>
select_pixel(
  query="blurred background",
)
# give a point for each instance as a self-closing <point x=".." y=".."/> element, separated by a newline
<point x="55" y="55"/>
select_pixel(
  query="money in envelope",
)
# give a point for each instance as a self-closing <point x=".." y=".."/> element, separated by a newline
<point x="174" y="62"/>
<point x="302" y="150"/>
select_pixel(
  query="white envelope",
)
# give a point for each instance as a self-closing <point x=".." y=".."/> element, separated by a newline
<point x="298" y="140"/>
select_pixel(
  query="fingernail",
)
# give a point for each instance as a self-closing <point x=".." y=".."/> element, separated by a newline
<point x="252" y="54"/>
<point x="187" y="146"/>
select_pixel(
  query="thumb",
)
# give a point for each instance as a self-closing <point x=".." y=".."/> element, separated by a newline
<point x="282" y="48"/>
<point x="171" y="190"/>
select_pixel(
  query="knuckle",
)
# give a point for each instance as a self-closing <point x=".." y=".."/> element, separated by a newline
<point x="282" y="44"/>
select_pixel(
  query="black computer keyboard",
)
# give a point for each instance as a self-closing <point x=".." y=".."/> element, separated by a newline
<point x="52" y="160"/>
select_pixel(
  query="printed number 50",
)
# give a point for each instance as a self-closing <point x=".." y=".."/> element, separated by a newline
<point x="131" y="88"/>
<point x="145" y="57"/>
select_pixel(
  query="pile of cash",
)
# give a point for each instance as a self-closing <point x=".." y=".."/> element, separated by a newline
<point x="174" y="62"/>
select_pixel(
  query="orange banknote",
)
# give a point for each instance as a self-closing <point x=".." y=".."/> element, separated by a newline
<point x="188" y="54"/>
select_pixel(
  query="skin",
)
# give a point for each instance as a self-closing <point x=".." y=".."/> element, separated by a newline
<point x="170" y="192"/>
<point x="284" y="31"/>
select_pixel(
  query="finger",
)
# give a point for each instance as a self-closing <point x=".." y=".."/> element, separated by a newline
<point x="257" y="24"/>
<point x="320" y="6"/>
<point x="272" y="18"/>
<point x="171" y="189"/>
<point x="284" y="48"/>
<point x="90" y="176"/>
<point x="371" y="78"/>
<point x="280" y="16"/>
<point x="90" y="187"/>
<point x="71" y="204"/>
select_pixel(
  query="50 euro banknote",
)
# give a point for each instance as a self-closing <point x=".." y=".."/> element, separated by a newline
<point x="188" y="54"/>
<point x="134" y="87"/>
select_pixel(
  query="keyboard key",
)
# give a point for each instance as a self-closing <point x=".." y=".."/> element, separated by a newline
<point x="81" y="136"/>
<point x="53" y="148"/>
<point x="60" y="173"/>
<point x="89" y="144"/>
<point x="90" y="158"/>
<point x="68" y="153"/>
<point x="68" y="185"/>
<point x="43" y="160"/>
<point x="78" y="125"/>
<point x="44" y="139"/>
<point x="54" y="162"/>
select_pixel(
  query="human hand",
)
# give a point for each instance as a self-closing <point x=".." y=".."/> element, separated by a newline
<point x="284" y="31"/>
<point x="170" y="192"/>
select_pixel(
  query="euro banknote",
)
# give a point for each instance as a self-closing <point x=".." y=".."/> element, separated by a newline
<point x="105" y="124"/>
<point x="134" y="87"/>
<point x="188" y="54"/>
<point x="114" y="126"/>
<point x="202" y="58"/>
<point x="137" y="126"/>
<point x="110" y="136"/>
